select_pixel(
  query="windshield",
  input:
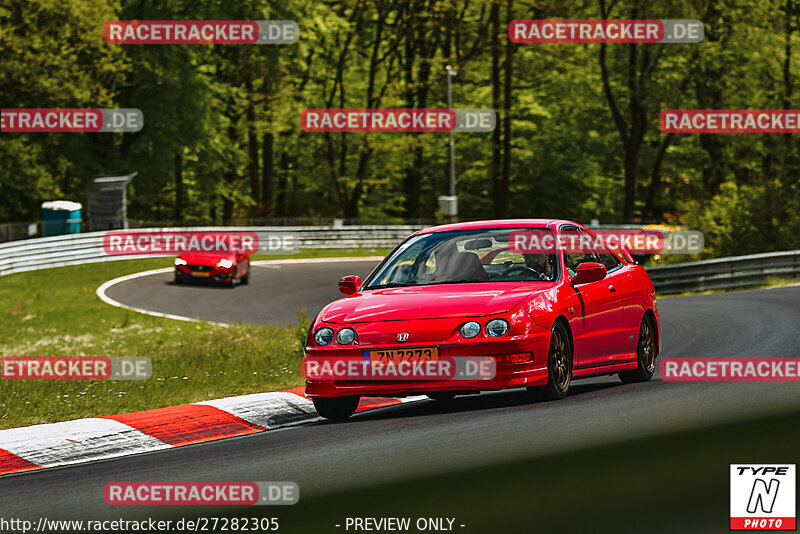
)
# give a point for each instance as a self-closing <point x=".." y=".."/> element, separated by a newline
<point x="482" y="255"/>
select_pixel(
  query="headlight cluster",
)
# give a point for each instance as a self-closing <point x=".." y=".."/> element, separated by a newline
<point x="324" y="336"/>
<point x="470" y="329"/>
<point x="224" y="264"/>
<point x="180" y="261"/>
<point x="497" y="327"/>
<point x="345" y="336"/>
<point x="494" y="328"/>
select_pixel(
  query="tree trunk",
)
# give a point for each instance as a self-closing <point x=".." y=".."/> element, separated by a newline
<point x="496" y="164"/>
<point x="268" y="174"/>
<point x="506" y="176"/>
<point x="252" y="147"/>
<point x="179" y="186"/>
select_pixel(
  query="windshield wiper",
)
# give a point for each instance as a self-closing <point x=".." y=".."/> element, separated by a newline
<point x="465" y="281"/>
<point x="392" y="284"/>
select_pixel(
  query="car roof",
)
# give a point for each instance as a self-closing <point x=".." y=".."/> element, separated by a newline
<point x="496" y="223"/>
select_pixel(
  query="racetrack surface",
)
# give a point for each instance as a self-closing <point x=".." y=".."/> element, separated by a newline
<point x="649" y="457"/>
<point x="277" y="291"/>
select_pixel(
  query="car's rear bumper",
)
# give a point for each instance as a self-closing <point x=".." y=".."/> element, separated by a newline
<point x="507" y="375"/>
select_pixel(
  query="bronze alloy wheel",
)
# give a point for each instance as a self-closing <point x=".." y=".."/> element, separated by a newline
<point x="645" y="354"/>
<point x="559" y="366"/>
<point x="560" y="359"/>
<point x="647" y="347"/>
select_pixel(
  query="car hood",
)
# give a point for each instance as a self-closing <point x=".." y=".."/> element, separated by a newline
<point x="205" y="259"/>
<point x="430" y="302"/>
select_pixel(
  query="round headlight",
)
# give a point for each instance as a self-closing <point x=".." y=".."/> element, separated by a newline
<point x="470" y="329"/>
<point x="323" y="336"/>
<point x="497" y="327"/>
<point x="345" y="336"/>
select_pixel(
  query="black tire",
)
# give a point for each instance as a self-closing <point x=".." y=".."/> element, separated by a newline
<point x="559" y="366"/>
<point x="441" y="396"/>
<point x="336" y="408"/>
<point x="246" y="278"/>
<point x="178" y="279"/>
<point x="645" y="354"/>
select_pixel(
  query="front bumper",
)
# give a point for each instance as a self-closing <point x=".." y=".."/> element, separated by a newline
<point x="508" y="375"/>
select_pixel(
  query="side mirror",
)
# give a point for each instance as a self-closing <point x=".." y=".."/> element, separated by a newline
<point x="350" y="284"/>
<point x="589" y="272"/>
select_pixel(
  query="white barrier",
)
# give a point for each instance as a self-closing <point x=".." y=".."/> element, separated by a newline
<point x="76" y="249"/>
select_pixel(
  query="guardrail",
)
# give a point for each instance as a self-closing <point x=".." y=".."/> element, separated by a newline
<point x="726" y="273"/>
<point x="76" y="249"/>
<point x="721" y="273"/>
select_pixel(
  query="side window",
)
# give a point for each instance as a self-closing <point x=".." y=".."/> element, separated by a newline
<point x="573" y="260"/>
<point x="610" y="261"/>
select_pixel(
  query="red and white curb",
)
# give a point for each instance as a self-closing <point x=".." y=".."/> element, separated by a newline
<point x="98" y="438"/>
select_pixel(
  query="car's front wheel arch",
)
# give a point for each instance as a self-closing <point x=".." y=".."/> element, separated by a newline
<point x="563" y="320"/>
<point x="652" y="316"/>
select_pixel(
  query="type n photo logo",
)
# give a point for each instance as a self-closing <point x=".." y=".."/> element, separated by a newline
<point x="763" y="497"/>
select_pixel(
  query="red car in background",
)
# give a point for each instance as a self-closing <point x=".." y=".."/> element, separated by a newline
<point x="228" y="268"/>
<point x="464" y="290"/>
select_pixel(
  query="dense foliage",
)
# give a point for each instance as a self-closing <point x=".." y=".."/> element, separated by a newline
<point x="222" y="139"/>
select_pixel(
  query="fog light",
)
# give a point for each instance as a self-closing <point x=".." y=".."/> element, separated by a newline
<point x="323" y="336"/>
<point x="514" y="358"/>
<point x="470" y="329"/>
<point x="497" y="327"/>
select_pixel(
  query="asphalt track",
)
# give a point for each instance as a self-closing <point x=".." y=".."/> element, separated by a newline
<point x="277" y="291"/>
<point x="649" y="457"/>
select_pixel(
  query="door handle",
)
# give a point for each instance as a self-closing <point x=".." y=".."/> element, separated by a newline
<point x="612" y="289"/>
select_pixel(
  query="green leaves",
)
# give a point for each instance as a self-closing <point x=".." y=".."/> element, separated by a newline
<point x="230" y="114"/>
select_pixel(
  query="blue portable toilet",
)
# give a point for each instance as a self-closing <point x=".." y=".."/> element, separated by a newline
<point x="61" y="217"/>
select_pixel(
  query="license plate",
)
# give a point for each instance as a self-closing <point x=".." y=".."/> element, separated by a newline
<point x="396" y="356"/>
<point x="200" y="274"/>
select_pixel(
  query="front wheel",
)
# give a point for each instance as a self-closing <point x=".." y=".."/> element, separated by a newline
<point x="559" y="366"/>
<point x="336" y="408"/>
<point x="645" y="354"/>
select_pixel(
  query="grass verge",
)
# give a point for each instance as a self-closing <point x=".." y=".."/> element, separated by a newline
<point x="55" y="312"/>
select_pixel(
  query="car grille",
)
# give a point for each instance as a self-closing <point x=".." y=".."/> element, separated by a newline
<point x="200" y="268"/>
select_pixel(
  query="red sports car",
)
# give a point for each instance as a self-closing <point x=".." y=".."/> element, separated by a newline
<point x="228" y="268"/>
<point x="467" y="290"/>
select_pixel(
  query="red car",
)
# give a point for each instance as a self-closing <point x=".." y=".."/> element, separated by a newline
<point x="228" y="268"/>
<point x="464" y="289"/>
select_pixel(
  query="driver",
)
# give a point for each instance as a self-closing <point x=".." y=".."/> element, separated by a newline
<point x="539" y="263"/>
